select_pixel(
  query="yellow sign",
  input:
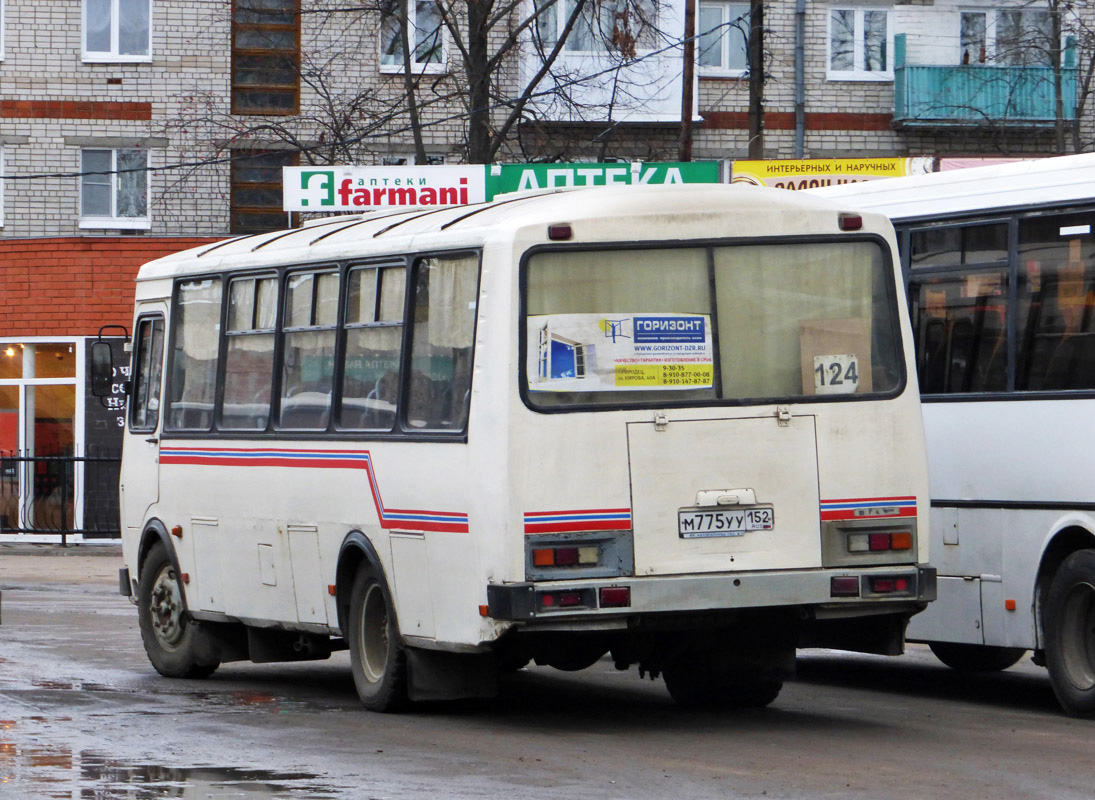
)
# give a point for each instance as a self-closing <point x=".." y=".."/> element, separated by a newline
<point x="814" y="172"/>
<point x="655" y="375"/>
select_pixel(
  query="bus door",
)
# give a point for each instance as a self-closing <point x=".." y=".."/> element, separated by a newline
<point x="726" y="494"/>
<point x="140" y="478"/>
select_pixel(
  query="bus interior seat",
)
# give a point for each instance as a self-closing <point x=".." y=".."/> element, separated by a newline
<point x="1072" y="363"/>
<point x="307" y="410"/>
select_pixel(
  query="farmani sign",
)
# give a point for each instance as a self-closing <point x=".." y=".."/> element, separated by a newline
<point x="325" y="189"/>
<point x="329" y="189"/>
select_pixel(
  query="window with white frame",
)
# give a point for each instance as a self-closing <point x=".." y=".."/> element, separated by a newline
<point x="1010" y="37"/>
<point x="117" y="30"/>
<point x="114" y="189"/>
<point x="410" y="160"/>
<point x="723" y="28"/>
<point x="424" y="33"/>
<point x="603" y="26"/>
<point x="860" y="44"/>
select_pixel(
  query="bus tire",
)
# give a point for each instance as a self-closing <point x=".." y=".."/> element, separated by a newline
<point x="377" y="656"/>
<point x="698" y="681"/>
<point x="1069" y="624"/>
<point x="976" y="657"/>
<point x="170" y="638"/>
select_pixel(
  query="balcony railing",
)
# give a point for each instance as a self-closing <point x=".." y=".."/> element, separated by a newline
<point x="980" y="94"/>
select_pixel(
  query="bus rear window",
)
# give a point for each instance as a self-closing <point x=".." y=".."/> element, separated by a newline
<point x="708" y="324"/>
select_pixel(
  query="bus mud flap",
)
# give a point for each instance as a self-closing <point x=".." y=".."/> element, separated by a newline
<point x="435" y="675"/>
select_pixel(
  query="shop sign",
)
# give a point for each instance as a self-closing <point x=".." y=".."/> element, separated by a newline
<point x="523" y="177"/>
<point x="330" y="189"/>
<point x="812" y="173"/>
<point x="326" y="189"/>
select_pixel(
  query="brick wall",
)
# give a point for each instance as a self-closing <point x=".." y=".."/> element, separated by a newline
<point x="74" y="285"/>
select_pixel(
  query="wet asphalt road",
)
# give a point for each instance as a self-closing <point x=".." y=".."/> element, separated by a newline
<point x="84" y="716"/>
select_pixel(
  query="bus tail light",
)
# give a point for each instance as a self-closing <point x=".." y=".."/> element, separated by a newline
<point x="583" y="598"/>
<point x="567" y="600"/>
<point x="844" y="586"/>
<point x="879" y="542"/>
<point x="566" y="556"/>
<point x="866" y="541"/>
<point x="891" y="584"/>
<point x="851" y="222"/>
<point x="615" y="596"/>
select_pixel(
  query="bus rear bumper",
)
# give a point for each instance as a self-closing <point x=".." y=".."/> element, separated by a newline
<point x="826" y="592"/>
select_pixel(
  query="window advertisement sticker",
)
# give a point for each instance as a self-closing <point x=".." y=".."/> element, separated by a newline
<point x="619" y="352"/>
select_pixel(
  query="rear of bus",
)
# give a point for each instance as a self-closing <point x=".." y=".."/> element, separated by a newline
<point x="717" y="455"/>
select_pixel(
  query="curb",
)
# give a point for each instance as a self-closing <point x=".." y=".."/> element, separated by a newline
<point x="112" y="549"/>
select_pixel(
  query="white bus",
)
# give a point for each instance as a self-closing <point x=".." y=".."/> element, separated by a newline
<point x="676" y="424"/>
<point x="1000" y="267"/>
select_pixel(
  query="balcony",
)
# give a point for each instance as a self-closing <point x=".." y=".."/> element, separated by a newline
<point x="980" y="95"/>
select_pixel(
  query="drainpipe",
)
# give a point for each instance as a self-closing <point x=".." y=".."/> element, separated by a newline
<point x="800" y="78"/>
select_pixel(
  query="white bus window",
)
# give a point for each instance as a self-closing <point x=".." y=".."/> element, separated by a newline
<point x="583" y="306"/>
<point x="445" y="300"/>
<point x="1056" y="320"/>
<point x="960" y="326"/>
<point x="147" y="363"/>
<point x="373" y="346"/>
<point x="641" y="326"/>
<point x="195" y="343"/>
<point x="249" y="360"/>
<point x="308" y="351"/>
<point x="954" y="245"/>
<point x="781" y="308"/>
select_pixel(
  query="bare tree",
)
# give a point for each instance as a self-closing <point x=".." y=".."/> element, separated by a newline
<point x="468" y="72"/>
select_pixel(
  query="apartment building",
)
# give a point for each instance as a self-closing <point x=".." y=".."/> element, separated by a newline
<point x="134" y="128"/>
<point x="944" y="78"/>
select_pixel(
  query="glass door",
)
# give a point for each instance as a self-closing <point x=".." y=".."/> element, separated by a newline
<point x="38" y="436"/>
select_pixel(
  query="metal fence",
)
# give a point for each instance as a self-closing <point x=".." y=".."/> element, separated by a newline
<point x="41" y="494"/>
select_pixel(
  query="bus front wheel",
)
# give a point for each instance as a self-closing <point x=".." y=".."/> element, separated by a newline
<point x="377" y="656"/>
<point x="1070" y="634"/>
<point x="170" y="638"/>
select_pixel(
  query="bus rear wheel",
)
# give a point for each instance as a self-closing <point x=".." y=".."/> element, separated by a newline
<point x="701" y="680"/>
<point x="976" y="657"/>
<point x="170" y="638"/>
<point x="377" y="656"/>
<point x="1070" y="634"/>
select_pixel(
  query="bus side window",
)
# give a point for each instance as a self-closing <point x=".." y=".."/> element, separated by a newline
<point x="373" y="342"/>
<point x="308" y="351"/>
<point x="249" y="358"/>
<point x="961" y="332"/>
<point x="147" y="372"/>
<point x="195" y="342"/>
<point x="445" y="303"/>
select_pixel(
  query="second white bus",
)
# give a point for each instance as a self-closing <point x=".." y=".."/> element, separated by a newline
<point x="673" y="424"/>
<point x="1000" y="268"/>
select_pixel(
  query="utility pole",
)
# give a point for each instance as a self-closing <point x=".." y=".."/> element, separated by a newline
<point x="684" y="145"/>
<point x="756" y="79"/>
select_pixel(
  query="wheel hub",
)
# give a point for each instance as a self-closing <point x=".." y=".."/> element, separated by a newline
<point x="166" y="608"/>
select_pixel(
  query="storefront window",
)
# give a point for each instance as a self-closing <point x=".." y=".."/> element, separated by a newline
<point x="38" y="436"/>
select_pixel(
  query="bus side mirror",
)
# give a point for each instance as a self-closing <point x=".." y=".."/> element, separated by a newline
<point x="102" y="369"/>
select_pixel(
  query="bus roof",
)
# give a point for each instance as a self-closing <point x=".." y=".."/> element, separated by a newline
<point x="1038" y="182"/>
<point x="607" y="213"/>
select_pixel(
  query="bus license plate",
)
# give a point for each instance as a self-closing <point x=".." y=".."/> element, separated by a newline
<point x="694" y="523"/>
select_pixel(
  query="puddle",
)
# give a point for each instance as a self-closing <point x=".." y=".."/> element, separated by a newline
<point x="39" y="772"/>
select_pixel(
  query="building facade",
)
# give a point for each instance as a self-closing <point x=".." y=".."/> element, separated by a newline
<point x="134" y="128"/>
